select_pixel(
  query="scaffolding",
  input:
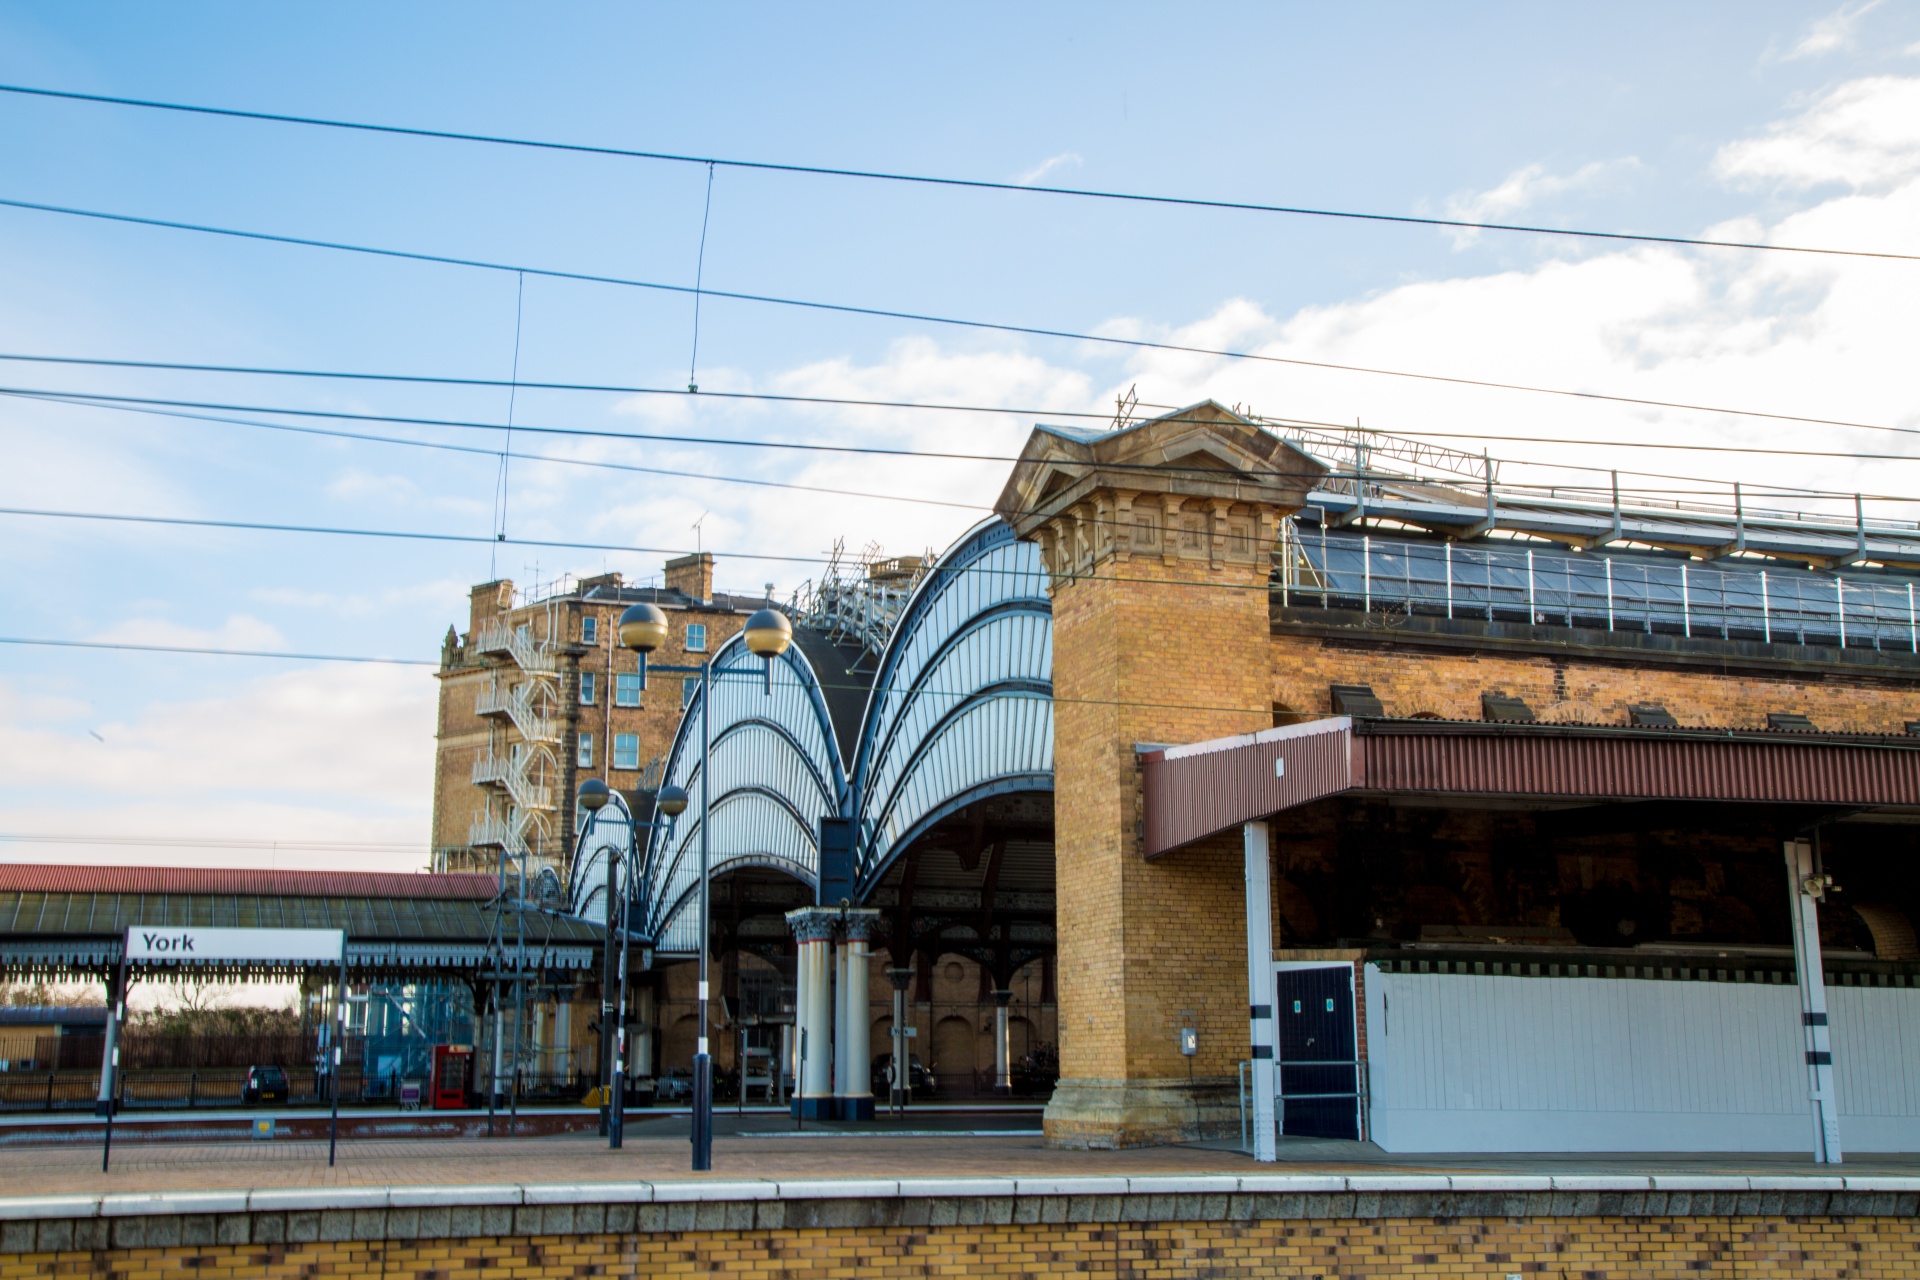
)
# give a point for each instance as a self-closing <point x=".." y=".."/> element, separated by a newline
<point x="857" y="599"/>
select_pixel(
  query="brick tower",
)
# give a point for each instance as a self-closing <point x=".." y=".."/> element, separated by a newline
<point x="1158" y="539"/>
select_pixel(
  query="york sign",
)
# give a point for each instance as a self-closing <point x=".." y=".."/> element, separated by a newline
<point x="287" y="946"/>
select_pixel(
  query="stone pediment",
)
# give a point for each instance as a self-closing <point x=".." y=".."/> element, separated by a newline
<point x="1206" y="453"/>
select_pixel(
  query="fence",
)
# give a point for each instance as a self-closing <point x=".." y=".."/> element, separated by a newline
<point x="1645" y="593"/>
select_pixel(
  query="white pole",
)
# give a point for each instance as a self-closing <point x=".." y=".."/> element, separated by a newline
<point x="1449" y="547"/>
<point x="1609" y="564"/>
<point x="1686" y="602"/>
<point x="1840" y="603"/>
<point x="1811" y="973"/>
<point x="1532" y="617"/>
<point x="1366" y="574"/>
<point x="1260" y="991"/>
<point x="1766" y="618"/>
<point x="1913" y="631"/>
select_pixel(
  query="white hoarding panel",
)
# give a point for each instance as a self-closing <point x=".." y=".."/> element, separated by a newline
<point x="187" y="945"/>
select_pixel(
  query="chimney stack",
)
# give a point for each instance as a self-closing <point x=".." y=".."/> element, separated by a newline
<point x="693" y="575"/>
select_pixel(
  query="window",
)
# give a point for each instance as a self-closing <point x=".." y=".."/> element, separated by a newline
<point x="687" y="689"/>
<point x="626" y="751"/>
<point x="589" y="630"/>
<point x="586" y="688"/>
<point x="583" y="755"/>
<point x="626" y="689"/>
<point x="696" y="637"/>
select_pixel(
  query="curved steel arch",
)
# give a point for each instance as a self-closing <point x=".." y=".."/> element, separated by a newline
<point x="776" y="771"/>
<point x="963" y="699"/>
<point x="961" y="709"/>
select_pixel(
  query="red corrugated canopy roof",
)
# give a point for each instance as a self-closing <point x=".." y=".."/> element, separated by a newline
<point x="23" y="877"/>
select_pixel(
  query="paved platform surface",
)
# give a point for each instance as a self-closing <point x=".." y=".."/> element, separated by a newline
<point x="763" y="1147"/>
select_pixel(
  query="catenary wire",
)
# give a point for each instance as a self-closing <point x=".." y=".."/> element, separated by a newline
<point x="976" y="184"/>
<point x="769" y="397"/>
<point x="100" y="400"/>
<point x="142" y="404"/>
<point x="224" y="653"/>
<point x="918" y="317"/>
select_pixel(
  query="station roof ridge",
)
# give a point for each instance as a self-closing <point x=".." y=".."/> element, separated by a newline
<point x="21" y="877"/>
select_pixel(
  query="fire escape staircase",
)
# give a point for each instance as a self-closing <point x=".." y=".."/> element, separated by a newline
<point x="518" y="703"/>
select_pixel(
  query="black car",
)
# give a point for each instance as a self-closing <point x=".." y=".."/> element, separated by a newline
<point x="264" y="1084"/>
<point x="919" y="1079"/>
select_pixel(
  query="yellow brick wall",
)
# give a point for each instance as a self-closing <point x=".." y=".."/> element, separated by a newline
<point x="1148" y="650"/>
<point x="1580" y="686"/>
<point x="1651" y="1248"/>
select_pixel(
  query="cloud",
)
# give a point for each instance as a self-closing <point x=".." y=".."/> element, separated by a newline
<point x="306" y="756"/>
<point x="354" y="485"/>
<point x="447" y="592"/>
<point x="1526" y="187"/>
<point x="1833" y="32"/>
<point x="239" y="631"/>
<point x="1065" y="160"/>
<point x="1865" y="134"/>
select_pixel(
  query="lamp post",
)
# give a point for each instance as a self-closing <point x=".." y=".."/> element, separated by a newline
<point x="594" y="795"/>
<point x="643" y="628"/>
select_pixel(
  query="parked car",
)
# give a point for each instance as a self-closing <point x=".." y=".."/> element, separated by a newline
<point x="675" y="1084"/>
<point x="264" y="1084"/>
<point x="920" y="1082"/>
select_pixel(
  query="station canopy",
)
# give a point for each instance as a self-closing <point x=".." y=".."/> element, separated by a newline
<point x="64" y="922"/>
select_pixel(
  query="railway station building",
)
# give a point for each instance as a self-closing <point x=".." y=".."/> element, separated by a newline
<point x="1566" y="823"/>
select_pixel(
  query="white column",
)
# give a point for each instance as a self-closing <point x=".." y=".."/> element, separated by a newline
<point x="814" y="928"/>
<point x="563" y="1039"/>
<point x="1260" y="991"/>
<point x="1002" y="1051"/>
<point x="499" y="1046"/>
<point x="853" y="1053"/>
<point x="839" y="1022"/>
<point x="639" y="1064"/>
<point x="1807" y="889"/>
<point x="116" y="1010"/>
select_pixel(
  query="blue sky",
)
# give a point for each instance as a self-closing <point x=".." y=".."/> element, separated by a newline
<point x="1795" y="122"/>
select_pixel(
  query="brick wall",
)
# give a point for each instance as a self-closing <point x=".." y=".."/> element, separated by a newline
<point x="1591" y="1248"/>
<point x="1580" y="685"/>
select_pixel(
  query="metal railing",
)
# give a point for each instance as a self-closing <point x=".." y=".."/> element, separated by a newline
<point x="1359" y="1094"/>
<point x="1599" y="592"/>
<point x="516" y="642"/>
<point x="512" y="702"/>
<point x="511" y="773"/>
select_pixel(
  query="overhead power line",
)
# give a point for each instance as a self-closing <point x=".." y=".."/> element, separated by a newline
<point x="914" y="316"/>
<point x="410" y="535"/>
<point x="768" y="397"/>
<point x="223" y="653"/>
<point x="153" y="405"/>
<point x="931" y="180"/>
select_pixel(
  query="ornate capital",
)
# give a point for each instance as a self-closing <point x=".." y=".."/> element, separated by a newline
<point x="861" y="923"/>
<point x="814" y="924"/>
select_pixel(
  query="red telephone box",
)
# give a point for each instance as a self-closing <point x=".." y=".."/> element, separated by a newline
<point x="452" y="1076"/>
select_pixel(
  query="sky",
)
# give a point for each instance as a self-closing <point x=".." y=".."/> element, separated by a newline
<point x="1783" y="123"/>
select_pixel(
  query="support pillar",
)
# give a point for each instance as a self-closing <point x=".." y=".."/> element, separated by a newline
<point x="900" y="1091"/>
<point x="853" y="1055"/>
<point x="1808" y="886"/>
<point x="639" y="1064"/>
<point x="1002" y="1050"/>
<point x="840" y="1086"/>
<point x="563" y="1040"/>
<point x="813" y="929"/>
<point x="1159" y="573"/>
<point x="499" y="1047"/>
<point x="1260" y="1025"/>
<point x="116" y="1011"/>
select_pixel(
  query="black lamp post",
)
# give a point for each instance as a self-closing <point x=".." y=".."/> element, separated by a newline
<point x="594" y="795"/>
<point x="643" y="628"/>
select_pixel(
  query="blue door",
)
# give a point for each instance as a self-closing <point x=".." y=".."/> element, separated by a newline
<point x="1319" y="1076"/>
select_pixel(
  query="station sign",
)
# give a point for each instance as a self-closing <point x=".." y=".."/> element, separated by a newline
<point x="287" y="946"/>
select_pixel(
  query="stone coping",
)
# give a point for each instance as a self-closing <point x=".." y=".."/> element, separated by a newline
<point x="1423" y="1186"/>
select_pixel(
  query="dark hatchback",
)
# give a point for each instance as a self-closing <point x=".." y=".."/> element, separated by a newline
<point x="264" y="1084"/>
